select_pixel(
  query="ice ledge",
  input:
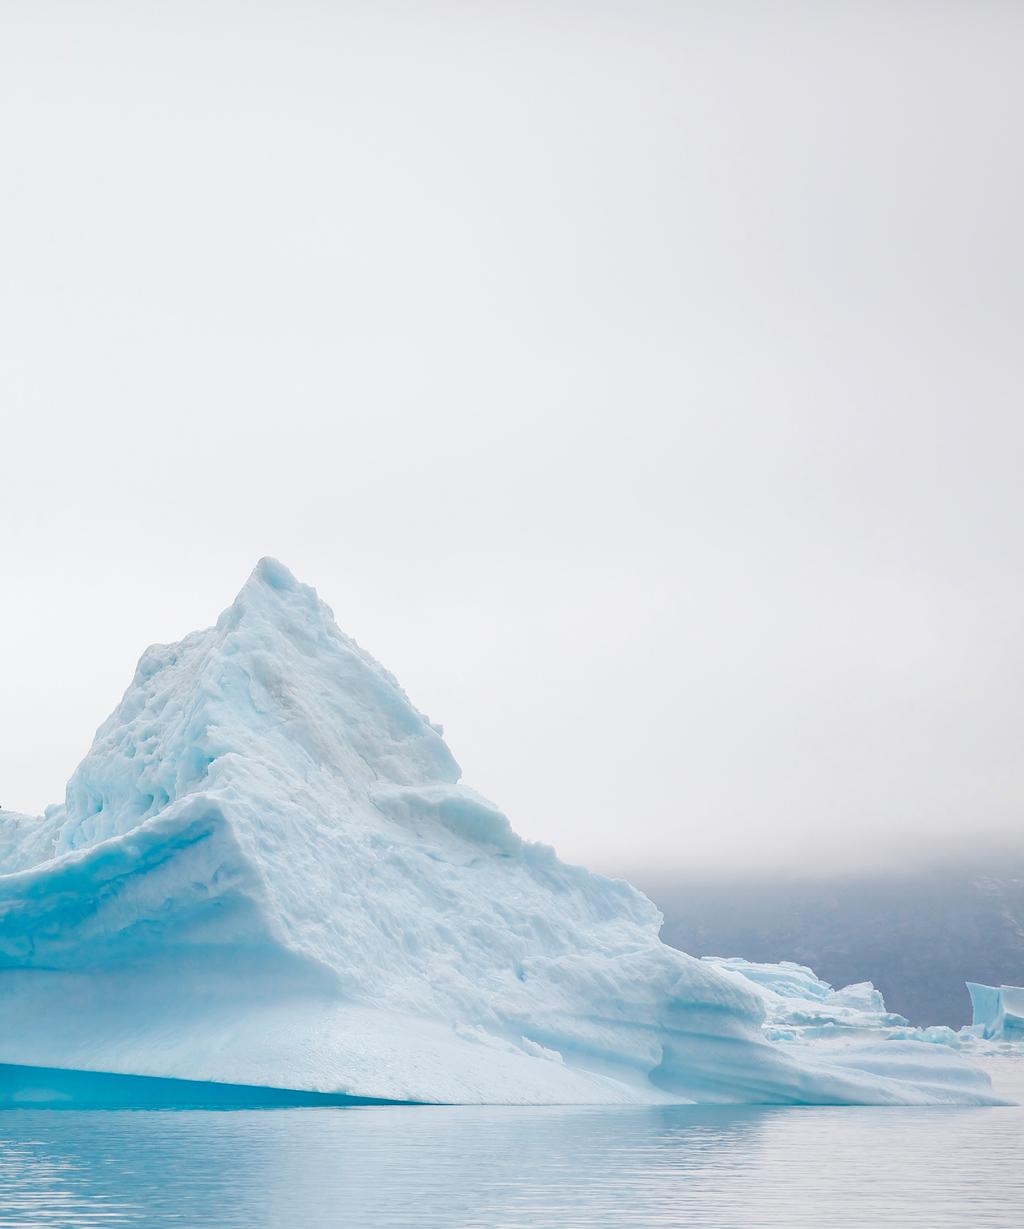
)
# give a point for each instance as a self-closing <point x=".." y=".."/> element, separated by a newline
<point x="64" y="1088"/>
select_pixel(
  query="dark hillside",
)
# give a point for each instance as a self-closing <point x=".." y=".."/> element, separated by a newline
<point x="917" y="937"/>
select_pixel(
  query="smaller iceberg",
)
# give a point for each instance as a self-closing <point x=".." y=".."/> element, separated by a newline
<point x="812" y="1021"/>
<point x="799" y="1005"/>
<point x="998" y="1012"/>
<point x="804" y="1012"/>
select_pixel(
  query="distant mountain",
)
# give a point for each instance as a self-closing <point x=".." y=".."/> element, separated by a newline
<point x="918" y="937"/>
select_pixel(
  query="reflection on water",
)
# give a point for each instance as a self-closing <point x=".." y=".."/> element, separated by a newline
<point x="435" y="1166"/>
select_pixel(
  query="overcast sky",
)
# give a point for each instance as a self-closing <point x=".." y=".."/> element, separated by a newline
<point x="640" y="382"/>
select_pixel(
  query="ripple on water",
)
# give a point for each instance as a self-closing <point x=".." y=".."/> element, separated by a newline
<point x="512" y="1167"/>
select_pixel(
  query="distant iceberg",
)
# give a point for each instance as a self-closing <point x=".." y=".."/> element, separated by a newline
<point x="998" y="1012"/>
<point x="800" y="1006"/>
<point x="266" y="876"/>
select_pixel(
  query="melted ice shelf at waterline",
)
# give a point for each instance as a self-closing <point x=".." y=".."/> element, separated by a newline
<point x="267" y="873"/>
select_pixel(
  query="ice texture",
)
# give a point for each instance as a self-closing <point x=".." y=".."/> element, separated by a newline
<point x="805" y="1015"/>
<point x="266" y="873"/>
<point x="998" y="1012"/>
<point x="800" y="1006"/>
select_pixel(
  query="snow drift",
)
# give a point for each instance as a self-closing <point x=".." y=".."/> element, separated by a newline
<point x="266" y="874"/>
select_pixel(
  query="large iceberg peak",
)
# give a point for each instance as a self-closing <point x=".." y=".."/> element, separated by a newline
<point x="274" y="685"/>
<point x="267" y="872"/>
<point x="274" y="601"/>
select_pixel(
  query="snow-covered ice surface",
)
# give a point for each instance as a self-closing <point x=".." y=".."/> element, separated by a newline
<point x="266" y="873"/>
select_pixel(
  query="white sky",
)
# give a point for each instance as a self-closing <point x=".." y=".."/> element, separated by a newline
<point x="640" y="382"/>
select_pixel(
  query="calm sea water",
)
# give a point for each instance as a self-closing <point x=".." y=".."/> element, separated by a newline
<point x="536" y="1168"/>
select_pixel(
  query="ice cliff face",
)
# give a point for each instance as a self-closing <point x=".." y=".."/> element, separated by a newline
<point x="266" y="872"/>
<point x="998" y="1012"/>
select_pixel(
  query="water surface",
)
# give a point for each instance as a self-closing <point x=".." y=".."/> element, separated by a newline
<point x="529" y="1167"/>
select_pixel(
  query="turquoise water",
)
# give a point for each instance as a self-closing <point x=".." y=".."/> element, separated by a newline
<point x="440" y="1166"/>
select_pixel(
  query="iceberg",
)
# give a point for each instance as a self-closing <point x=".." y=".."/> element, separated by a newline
<point x="266" y="876"/>
<point x="800" y="1006"/>
<point x="998" y="1012"/>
